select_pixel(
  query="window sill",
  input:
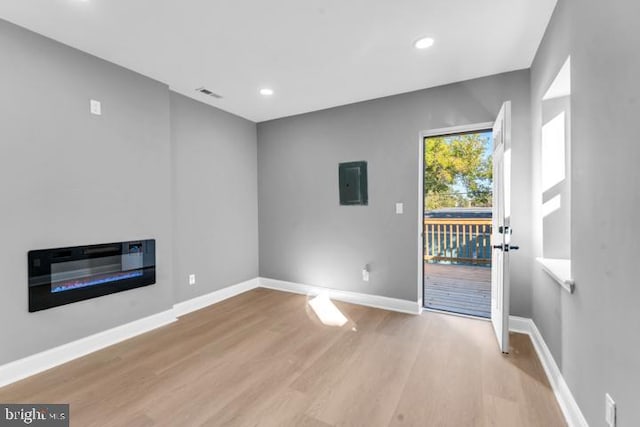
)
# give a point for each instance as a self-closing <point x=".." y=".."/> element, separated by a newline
<point x="560" y="271"/>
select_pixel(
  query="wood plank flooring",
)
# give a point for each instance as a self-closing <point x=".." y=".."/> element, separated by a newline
<point x="458" y="288"/>
<point x="264" y="358"/>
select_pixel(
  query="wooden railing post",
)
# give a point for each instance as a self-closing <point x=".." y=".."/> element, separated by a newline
<point x="471" y="249"/>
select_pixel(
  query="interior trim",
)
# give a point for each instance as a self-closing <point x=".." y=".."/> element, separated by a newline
<point x="185" y="307"/>
<point x="375" y="301"/>
<point x="572" y="413"/>
<point x="39" y="362"/>
<point x="31" y="365"/>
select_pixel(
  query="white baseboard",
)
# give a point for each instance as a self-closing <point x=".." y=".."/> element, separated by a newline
<point x="23" y="368"/>
<point x="203" y="301"/>
<point x="565" y="398"/>
<point x="31" y="365"/>
<point x="520" y="325"/>
<point x="386" y="303"/>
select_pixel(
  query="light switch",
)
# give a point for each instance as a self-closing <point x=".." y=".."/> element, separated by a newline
<point x="399" y="208"/>
<point x="96" y="107"/>
<point x="365" y="273"/>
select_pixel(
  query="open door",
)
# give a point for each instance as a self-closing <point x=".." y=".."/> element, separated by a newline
<point x="501" y="230"/>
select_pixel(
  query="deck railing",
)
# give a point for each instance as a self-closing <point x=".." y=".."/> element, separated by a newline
<point x="458" y="240"/>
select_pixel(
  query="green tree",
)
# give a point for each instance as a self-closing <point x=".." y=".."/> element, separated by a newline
<point x="457" y="172"/>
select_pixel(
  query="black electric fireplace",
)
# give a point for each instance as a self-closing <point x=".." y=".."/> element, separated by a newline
<point x="65" y="275"/>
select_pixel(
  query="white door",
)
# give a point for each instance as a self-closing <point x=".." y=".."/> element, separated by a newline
<point x="501" y="230"/>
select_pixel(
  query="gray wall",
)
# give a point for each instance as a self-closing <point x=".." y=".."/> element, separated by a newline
<point x="305" y="236"/>
<point x="70" y="178"/>
<point x="155" y="164"/>
<point x="215" y="197"/>
<point x="593" y="334"/>
<point x="547" y="296"/>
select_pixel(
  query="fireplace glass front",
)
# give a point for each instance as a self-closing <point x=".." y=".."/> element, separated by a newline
<point x="65" y="275"/>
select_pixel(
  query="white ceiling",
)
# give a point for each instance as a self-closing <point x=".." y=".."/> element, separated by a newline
<point x="315" y="54"/>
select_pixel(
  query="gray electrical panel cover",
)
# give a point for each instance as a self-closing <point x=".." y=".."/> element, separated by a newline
<point x="352" y="177"/>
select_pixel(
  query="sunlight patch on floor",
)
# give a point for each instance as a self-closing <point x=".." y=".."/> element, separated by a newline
<point x="327" y="312"/>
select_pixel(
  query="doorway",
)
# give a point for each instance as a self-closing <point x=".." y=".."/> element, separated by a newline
<point x="457" y="221"/>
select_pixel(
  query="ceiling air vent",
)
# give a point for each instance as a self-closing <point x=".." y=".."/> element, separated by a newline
<point x="207" y="92"/>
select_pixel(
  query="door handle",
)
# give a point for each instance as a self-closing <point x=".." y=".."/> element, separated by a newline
<point x="506" y="248"/>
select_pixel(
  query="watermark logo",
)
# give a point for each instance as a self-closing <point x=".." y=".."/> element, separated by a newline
<point x="31" y="414"/>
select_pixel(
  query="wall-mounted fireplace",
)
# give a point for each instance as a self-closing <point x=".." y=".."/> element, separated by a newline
<point x="65" y="275"/>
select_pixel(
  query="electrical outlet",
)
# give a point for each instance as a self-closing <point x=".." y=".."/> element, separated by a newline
<point x="399" y="208"/>
<point x="610" y="411"/>
<point x="192" y="279"/>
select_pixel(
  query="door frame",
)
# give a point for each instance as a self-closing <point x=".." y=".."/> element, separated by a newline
<point x="473" y="127"/>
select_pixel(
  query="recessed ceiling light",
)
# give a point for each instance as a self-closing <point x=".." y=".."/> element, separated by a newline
<point x="266" y="91"/>
<point x="423" y="43"/>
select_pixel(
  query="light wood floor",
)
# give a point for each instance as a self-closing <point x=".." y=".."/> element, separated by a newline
<point x="460" y="289"/>
<point x="263" y="358"/>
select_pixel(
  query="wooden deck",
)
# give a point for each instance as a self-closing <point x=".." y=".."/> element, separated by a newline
<point x="458" y="288"/>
